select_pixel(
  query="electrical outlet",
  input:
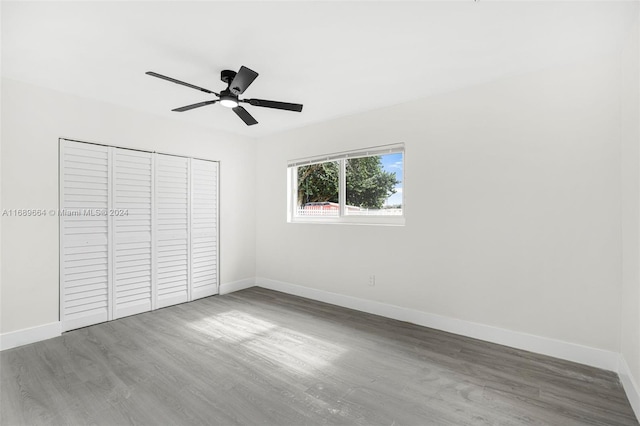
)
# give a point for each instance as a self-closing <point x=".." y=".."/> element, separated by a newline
<point x="372" y="280"/>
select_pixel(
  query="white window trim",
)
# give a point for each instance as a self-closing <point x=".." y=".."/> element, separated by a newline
<point x="343" y="219"/>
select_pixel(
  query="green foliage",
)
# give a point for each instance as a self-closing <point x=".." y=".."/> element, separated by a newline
<point x="318" y="182"/>
<point x="368" y="185"/>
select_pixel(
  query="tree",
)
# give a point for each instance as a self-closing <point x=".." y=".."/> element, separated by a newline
<point x="368" y="184"/>
<point x="318" y="183"/>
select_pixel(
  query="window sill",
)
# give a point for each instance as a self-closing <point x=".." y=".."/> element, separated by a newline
<point x="353" y="220"/>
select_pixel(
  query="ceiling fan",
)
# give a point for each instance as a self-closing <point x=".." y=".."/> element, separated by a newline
<point x="237" y="83"/>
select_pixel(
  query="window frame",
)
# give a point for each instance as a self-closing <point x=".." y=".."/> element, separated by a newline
<point x="341" y="158"/>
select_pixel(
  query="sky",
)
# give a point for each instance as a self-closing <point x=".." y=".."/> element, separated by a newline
<point x="394" y="163"/>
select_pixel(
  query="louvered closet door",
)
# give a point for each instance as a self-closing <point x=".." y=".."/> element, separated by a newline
<point x="84" y="236"/>
<point x="172" y="229"/>
<point x="204" y="228"/>
<point x="132" y="193"/>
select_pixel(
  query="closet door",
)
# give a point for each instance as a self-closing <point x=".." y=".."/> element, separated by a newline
<point x="132" y="254"/>
<point x="204" y="228"/>
<point x="138" y="231"/>
<point x="84" y="236"/>
<point x="172" y="230"/>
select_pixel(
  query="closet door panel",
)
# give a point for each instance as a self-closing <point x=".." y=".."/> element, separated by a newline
<point x="84" y="236"/>
<point x="132" y="243"/>
<point x="204" y="228"/>
<point x="172" y="230"/>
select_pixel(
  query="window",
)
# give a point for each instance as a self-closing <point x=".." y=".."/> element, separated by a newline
<point x="363" y="186"/>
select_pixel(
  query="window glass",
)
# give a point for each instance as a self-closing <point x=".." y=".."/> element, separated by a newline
<point x="374" y="185"/>
<point x="318" y="189"/>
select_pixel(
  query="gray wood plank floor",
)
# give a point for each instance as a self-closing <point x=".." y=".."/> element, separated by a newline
<point x="259" y="357"/>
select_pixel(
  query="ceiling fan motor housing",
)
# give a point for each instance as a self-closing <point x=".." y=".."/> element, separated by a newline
<point x="227" y="76"/>
<point x="228" y="98"/>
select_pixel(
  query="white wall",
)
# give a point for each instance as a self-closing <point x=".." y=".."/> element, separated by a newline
<point x="32" y="121"/>
<point x="630" y="180"/>
<point x="512" y="215"/>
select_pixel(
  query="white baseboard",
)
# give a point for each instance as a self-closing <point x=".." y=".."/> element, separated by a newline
<point x="47" y="331"/>
<point x="630" y="386"/>
<point x="30" y="335"/>
<point x="594" y="357"/>
<point x="226" y="288"/>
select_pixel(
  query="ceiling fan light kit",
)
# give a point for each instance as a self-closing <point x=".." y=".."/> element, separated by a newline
<point x="237" y="83"/>
<point x="228" y="100"/>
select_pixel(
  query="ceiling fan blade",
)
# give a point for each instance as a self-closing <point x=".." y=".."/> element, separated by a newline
<point x="173" y="80"/>
<point x="245" y="116"/>
<point x="275" y="104"/>
<point x="242" y="80"/>
<point x="198" y="105"/>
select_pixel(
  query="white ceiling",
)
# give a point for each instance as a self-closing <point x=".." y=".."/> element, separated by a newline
<point x="337" y="58"/>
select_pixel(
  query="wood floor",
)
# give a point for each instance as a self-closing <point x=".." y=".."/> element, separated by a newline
<point x="258" y="357"/>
